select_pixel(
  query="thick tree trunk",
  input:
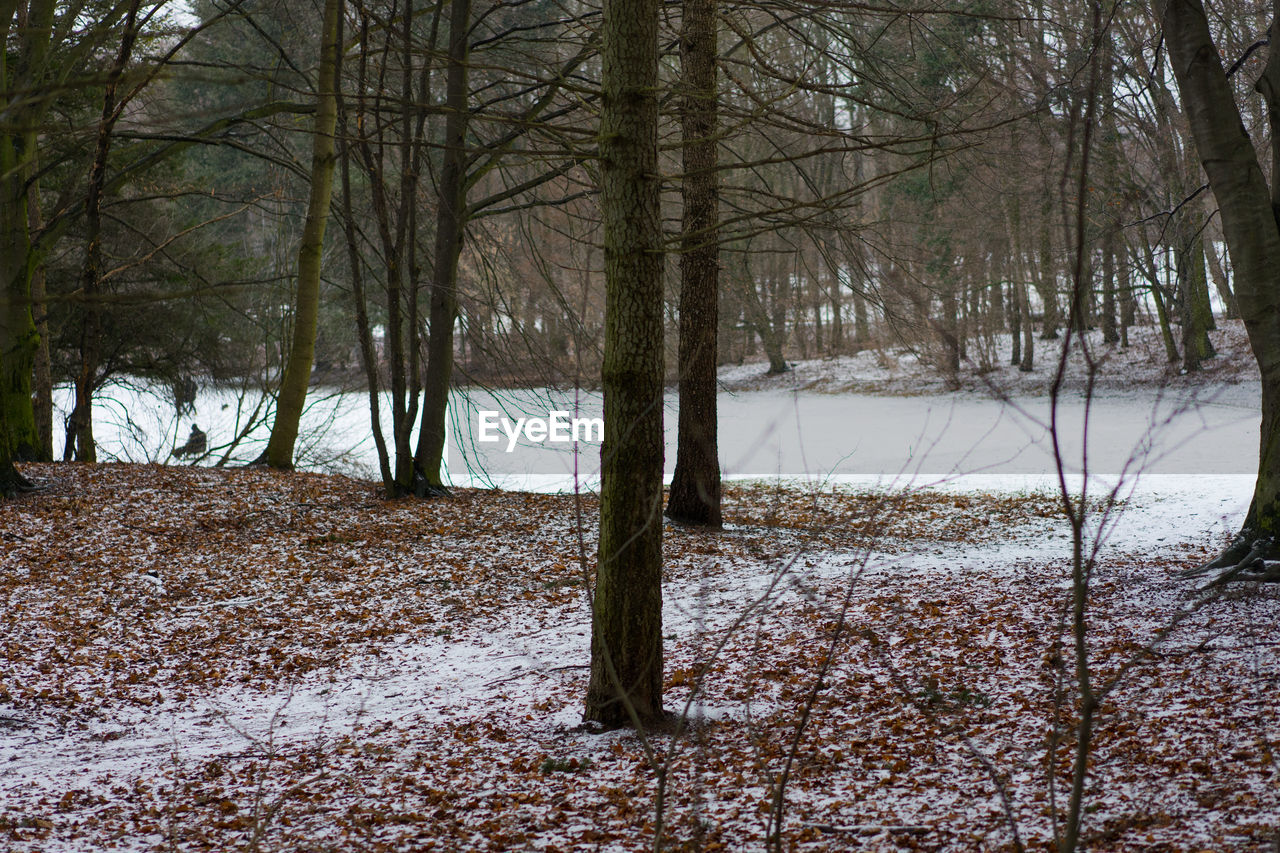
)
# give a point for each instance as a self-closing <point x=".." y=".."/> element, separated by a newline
<point x="450" y="228"/>
<point x="626" y="637"/>
<point x="1249" y="219"/>
<point x="18" y="337"/>
<point x="302" y="347"/>
<point x="695" y="488"/>
<point x="27" y="31"/>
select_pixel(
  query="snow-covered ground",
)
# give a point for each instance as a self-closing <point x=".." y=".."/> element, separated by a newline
<point x="893" y="369"/>
<point x="207" y="660"/>
<point x="438" y="676"/>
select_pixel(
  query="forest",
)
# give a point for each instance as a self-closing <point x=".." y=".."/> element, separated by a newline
<point x="883" y="177"/>
<point x="911" y="358"/>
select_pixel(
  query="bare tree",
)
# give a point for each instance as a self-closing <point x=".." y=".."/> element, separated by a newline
<point x="1249" y="224"/>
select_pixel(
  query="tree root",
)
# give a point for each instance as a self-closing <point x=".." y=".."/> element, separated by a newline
<point x="1247" y="558"/>
<point x="14" y="484"/>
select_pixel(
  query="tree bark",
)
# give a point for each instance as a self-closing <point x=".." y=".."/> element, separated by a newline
<point x="1046" y="282"/>
<point x="1128" y="302"/>
<point x="1249" y="219"/>
<point x="1110" y="332"/>
<point x="451" y="222"/>
<point x="626" y="639"/>
<point x="695" y="487"/>
<point x="861" y="323"/>
<point x="302" y="347"/>
<point x="1219" y="275"/>
<point x="22" y="68"/>
<point x="42" y="390"/>
<point x="1197" y="315"/>
<point x="1015" y="324"/>
<point x="1162" y="316"/>
<point x="91" y="274"/>
<point x="757" y="319"/>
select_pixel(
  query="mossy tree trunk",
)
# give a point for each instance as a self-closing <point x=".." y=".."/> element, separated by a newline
<point x="626" y="639"/>
<point x="27" y="28"/>
<point x="1249" y="210"/>
<point x="302" y="346"/>
<point x="695" y="487"/>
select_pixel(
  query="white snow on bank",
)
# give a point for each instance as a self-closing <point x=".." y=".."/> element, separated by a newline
<point x="805" y="436"/>
<point x="896" y="369"/>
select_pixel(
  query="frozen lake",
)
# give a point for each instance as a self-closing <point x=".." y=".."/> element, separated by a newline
<point x="806" y="436"/>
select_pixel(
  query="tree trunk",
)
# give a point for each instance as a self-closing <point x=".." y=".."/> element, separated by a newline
<point x="948" y="331"/>
<point x="695" y="487"/>
<point x="1046" y="284"/>
<point x="836" y="338"/>
<point x="364" y="330"/>
<point x="1128" y="302"/>
<point x="861" y="322"/>
<point x="42" y="391"/>
<point x="1219" y="274"/>
<point x="1028" y="331"/>
<point x="1110" y="334"/>
<point x="1025" y="359"/>
<point x="22" y="68"/>
<point x="1197" y="315"/>
<point x="450" y="228"/>
<point x="18" y="337"/>
<point x="1249" y="224"/>
<point x="1015" y="324"/>
<point x="91" y="274"/>
<point x="1110" y="197"/>
<point x="626" y="637"/>
<point x="758" y="319"/>
<point x="1162" y="316"/>
<point x="302" y="348"/>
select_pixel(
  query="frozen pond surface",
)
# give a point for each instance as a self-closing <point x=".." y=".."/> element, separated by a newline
<point x="806" y="436"/>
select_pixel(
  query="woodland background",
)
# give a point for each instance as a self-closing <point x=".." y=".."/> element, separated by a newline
<point x="895" y="175"/>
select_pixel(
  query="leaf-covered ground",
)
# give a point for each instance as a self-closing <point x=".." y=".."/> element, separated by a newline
<point x="210" y="660"/>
